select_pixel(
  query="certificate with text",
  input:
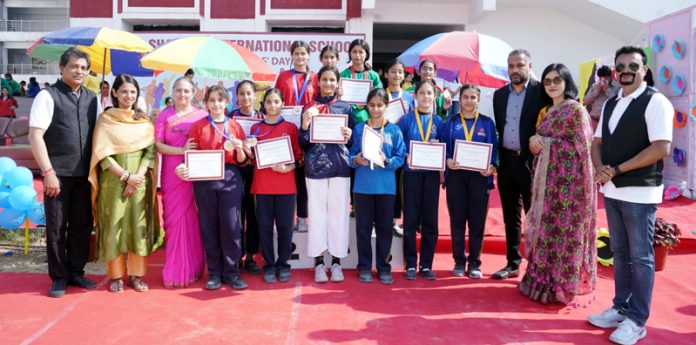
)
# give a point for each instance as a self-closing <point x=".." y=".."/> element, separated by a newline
<point x="274" y="151"/>
<point x="328" y="129"/>
<point x="292" y="115"/>
<point x="355" y="91"/>
<point x="472" y="155"/>
<point x="247" y="124"/>
<point x="205" y="164"/>
<point x="372" y="146"/>
<point x="427" y="156"/>
<point x="395" y="110"/>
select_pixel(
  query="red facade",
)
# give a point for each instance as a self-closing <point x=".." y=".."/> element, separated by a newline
<point x="91" y="8"/>
<point x="161" y="3"/>
<point x="232" y="9"/>
<point x="305" y="4"/>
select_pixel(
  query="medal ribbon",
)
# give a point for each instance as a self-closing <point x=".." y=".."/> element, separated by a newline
<point x="424" y="138"/>
<point x="469" y="134"/>
<point x="298" y="98"/>
<point x="354" y="75"/>
<point x="258" y="129"/>
<point x="226" y="133"/>
<point x="389" y="93"/>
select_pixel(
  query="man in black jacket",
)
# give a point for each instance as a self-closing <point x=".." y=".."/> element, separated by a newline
<point x="516" y="107"/>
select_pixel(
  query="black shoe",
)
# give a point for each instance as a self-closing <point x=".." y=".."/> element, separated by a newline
<point x="365" y="276"/>
<point x="410" y="273"/>
<point x="506" y="272"/>
<point x="427" y="274"/>
<point x="82" y="282"/>
<point x="236" y="282"/>
<point x="58" y="287"/>
<point x="213" y="283"/>
<point x="284" y="275"/>
<point x="251" y="267"/>
<point x="458" y="271"/>
<point x="269" y="277"/>
<point x="385" y="277"/>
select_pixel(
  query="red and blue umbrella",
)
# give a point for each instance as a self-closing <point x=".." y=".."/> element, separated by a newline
<point x="473" y="57"/>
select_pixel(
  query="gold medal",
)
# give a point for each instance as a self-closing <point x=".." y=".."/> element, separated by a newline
<point x="228" y="146"/>
<point x="251" y="141"/>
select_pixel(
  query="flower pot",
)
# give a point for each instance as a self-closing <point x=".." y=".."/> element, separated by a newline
<point x="660" y="257"/>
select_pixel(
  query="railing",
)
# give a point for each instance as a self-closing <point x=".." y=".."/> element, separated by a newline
<point x="21" y="25"/>
<point x="31" y="69"/>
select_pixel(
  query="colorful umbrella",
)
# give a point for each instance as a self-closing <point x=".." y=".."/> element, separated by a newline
<point x="473" y="57"/>
<point x="109" y="50"/>
<point x="209" y="57"/>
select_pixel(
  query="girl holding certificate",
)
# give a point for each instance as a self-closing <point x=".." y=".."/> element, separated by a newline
<point x="246" y="98"/>
<point x="328" y="181"/>
<point x="359" y="53"/>
<point x="299" y="88"/>
<point x="123" y="177"/>
<point x="421" y="188"/>
<point x="375" y="186"/>
<point x="467" y="190"/>
<point x="427" y="70"/>
<point x="219" y="202"/>
<point x="274" y="188"/>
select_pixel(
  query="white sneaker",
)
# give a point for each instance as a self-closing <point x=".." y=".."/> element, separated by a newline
<point x="320" y="274"/>
<point x="336" y="273"/>
<point x="609" y="318"/>
<point x="302" y="225"/>
<point x="628" y="333"/>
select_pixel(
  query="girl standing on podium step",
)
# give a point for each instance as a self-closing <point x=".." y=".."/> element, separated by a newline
<point x="359" y="53"/>
<point x="246" y="98"/>
<point x="298" y="86"/>
<point x="421" y="188"/>
<point x="219" y="202"/>
<point x="375" y="188"/>
<point x="328" y="181"/>
<point x="467" y="190"/>
<point x="274" y="189"/>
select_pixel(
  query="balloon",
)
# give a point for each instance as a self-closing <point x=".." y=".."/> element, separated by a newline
<point x="37" y="214"/>
<point x="6" y="164"/>
<point x="5" y="200"/>
<point x="19" y="176"/>
<point x="11" y="219"/>
<point x="22" y="198"/>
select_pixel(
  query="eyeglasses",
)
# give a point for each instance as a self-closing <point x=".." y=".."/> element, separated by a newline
<point x="633" y="66"/>
<point x="555" y="80"/>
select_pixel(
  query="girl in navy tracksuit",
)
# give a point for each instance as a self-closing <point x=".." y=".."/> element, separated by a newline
<point x="467" y="190"/>
<point x="421" y="188"/>
<point x="328" y="181"/>
<point x="375" y="189"/>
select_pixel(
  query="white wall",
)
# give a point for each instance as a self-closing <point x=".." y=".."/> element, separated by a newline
<point x="549" y="36"/>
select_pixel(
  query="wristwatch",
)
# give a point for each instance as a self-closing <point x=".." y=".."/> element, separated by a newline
<point x="617" y="171"/>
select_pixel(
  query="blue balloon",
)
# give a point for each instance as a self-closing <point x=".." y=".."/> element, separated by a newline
<point x="22" y="198"/>
<point x="6" y="164"/>
<point x="19" y="176"/>
<point x="37" y="214"/>
<point x="11" y="219"/>
<point x="5" y="200"/>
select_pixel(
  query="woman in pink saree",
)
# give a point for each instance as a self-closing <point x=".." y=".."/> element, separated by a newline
<point x="184" y="260"/>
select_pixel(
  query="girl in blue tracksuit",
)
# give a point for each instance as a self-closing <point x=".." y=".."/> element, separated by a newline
<point x="375" y="188"/>
<point x="420" y="188"/>
<point x="328" y="181"/>
<point x="467" y="190"/>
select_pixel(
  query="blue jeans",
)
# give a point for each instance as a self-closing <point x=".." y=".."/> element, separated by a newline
<point x="631" y="229"/>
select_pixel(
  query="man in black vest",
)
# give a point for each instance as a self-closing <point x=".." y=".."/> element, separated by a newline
<point x="632" y="138"/>
<point x="516" y="107"/>
<point x="61" y="124"/>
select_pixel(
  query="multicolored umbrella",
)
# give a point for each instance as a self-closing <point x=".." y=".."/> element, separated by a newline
<point x="473" y="57"/>
<point x="209" y="57"/>
<point x="109" y="50"/>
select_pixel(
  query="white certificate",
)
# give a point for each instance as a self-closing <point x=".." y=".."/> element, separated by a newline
<point x="292" y="115"/>
<point x="205" y="164"/>
<point x="273" y="151"/>
<point x="426" y="156"/>
<point x="395" y="110"/>
<point x="355" y="91"/>
<point x="473" y="156"/>
<point x="328" y="129"/>
<point x="246" y="124"/>
<point x="372" y="146"/>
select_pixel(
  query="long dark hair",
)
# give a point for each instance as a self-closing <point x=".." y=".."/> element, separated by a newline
<point x="570" y="91"/>
<point x="364" y="45"/>
<point x="119" y="81"/>
<point x="271" y="91"/>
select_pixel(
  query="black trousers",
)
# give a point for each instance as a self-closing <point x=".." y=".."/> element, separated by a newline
<point x="250" y="232"/>
<point x="515" y="188"/>
<point x="374" y="210"/>
<point x="467" y="203"/>
<point x="69" y="224"/>
<point x="219" y="206"/>
<point x="421" y="196"/>
<point x="399" y="195"/>
<point x="301" y="193"/>
<point x="278" y="210"/>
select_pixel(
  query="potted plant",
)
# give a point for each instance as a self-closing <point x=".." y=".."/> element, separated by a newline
<point x="666" y="237"/>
